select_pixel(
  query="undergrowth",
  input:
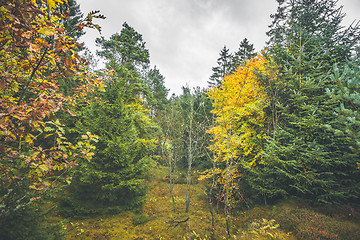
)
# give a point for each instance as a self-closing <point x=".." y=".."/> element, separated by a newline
<point x="288" y="220"/>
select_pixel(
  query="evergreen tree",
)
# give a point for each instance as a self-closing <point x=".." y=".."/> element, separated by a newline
<point x="304" y="158"/>
<point x="127" y="48"/>
<point x="223" y="68"/>
<point x="125" y="54"/>
<point x="115" y="177"/>
<point x="71" y="25"/>
<point x="245" y="52"/>
<point x="75" y="16"/>
<point x="346" y="124"/>
<point x="155" y="84"/>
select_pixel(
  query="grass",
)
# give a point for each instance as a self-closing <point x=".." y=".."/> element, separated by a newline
<point x="157" y="221"/>
<point x="287" y="220"/>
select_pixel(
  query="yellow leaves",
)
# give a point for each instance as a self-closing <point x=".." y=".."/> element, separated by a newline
<point x="44" y="168"/>
<point x="47" y="31"/>
<point x="207" y="174"/>
<point x="52" y="3"/>
<point x="29" y="139"/>
<point x="34" y="43"/>
<point x="90" y="136"/>
<point x="239" y="112"/>
<point x="85" y="147"/>
<point x="3" y="11"/>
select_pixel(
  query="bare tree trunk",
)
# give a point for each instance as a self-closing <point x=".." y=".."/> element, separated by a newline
<point x="171" y="181"/>
<point x="190" y="159"/>
<point x="188" y="187"/>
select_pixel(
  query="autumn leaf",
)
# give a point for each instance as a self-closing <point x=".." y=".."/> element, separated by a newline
<point x="51" y="4"/>
<point x="35" y="47"/>
<point x="47" y="31"/>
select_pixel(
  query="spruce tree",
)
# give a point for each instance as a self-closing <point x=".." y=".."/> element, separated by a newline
<point x="127" y="47"/>
<point x="114" y="179"/>
<point x="223" y="68"/>
<point x="74" y="18"/>
<point x="158" y="93"/>
<point x="115" y="176"/>
<point x="127" y="56"/>
<point x="303" y="158"/>
<point x="245" y="52"/>
<point x="68" y="83"/>
<point x="346" y="123"/>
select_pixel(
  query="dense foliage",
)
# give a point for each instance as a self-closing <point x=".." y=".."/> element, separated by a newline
<point x="294" y="132"/>
<point x="114" y="179"/>
<point x="36" y="52"/>
<point x="239" y="132"/>
<point x="308" y="160"/>
<point x="272" y="126"/>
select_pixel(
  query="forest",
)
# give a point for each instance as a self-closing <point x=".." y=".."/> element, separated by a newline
<point x="269" y="150"/>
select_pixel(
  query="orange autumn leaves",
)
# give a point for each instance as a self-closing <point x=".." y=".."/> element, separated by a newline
<point x="35" y="53"/>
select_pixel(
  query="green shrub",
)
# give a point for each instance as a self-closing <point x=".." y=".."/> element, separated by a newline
<point x="140" y="219"/>
<point x="69" y="206"/>
<point x="28" y="223"/>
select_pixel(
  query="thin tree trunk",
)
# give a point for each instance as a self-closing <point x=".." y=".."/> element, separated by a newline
<point x="188" y="179"/>
<point x="171" y="168"/>
<point x="229" y="162"/>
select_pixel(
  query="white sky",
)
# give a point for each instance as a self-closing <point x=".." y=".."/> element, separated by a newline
<point x="184" y="37"/>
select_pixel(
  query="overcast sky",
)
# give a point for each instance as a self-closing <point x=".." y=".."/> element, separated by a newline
<point x="184" y="37"/>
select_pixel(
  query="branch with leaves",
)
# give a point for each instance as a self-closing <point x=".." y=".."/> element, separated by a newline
<point x="36" y="52"/>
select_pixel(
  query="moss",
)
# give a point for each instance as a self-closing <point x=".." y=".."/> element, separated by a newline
<point x="140" y="219"/>
<point x="155" y="220"/>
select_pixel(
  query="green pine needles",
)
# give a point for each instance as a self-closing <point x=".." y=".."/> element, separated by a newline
<point x="312" y="151"/>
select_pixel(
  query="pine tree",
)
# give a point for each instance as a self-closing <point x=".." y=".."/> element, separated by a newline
<point x="128" y="58"/>
<point x="303" y="158"/>
<point x="115" y="177"/>
<point x="222" y="69"/>
<point x="245" y="52"/>
<point x="75" y="16"/>
<point x="127" y="48"/>
<point x="158" y="93"/>
<point x="346" y="124"/>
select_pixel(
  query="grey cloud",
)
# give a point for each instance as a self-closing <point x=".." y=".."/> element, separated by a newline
<point x="184" y="37"/>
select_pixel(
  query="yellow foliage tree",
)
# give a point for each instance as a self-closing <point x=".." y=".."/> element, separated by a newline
<point x="238" y="106"/>
<point x="239" y="110"/>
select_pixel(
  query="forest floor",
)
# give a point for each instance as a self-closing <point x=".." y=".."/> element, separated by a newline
<point x="287" y="220"/>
